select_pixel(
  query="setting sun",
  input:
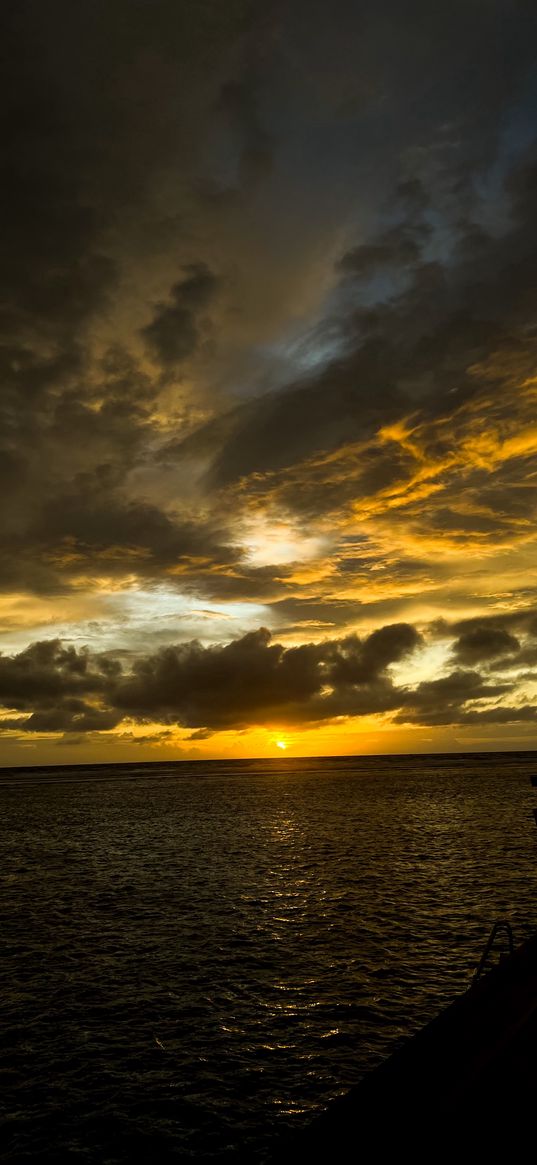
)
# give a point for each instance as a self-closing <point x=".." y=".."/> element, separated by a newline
<point x="281" y="744"/>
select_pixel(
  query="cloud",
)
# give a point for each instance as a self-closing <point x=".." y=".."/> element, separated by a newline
<point x="444" y="700"/>
<point x="91" y="246"/>
<point x="396" y="249"/>
<point x="484" y="643"/>
<point x="422" y="358"/>
<point x="176" y="328"/>
<point x="501" y="642"/>
<point x="252" y="681"/>
<point x="73" y="716"/>
<point x="62" y="689"/>
<point x="523" y="620"/>
<point x="47" y="670"/>
<point x="248" y="682"/>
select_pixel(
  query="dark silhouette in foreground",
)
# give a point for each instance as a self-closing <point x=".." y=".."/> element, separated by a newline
<point x="464" y="1085"/>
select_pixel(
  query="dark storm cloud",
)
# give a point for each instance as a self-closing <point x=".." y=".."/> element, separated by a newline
<point x="246" y="682"/>
<point x="58" y="686"/>
<point x="443" y="701"/>
<point x="253" y="681"/>
<point x="522" y="620"/>
<point x="55" y="272"/>
<point x="500" y="643"/>
<point x="176" y="328"/>
<point x="73" y="716"/>
<point x="469" y="696"/>
<point x="97" y="99"/>
<point x="47" y="670"/>
<point x="275" y="432"/>
<point x="412" y="352"/>
<point x="99" y="523"/>
<point x="100" y="105"/>
<point x="483" y="643"/>
<point x="95" y="529"/>
<point x="357" y="662"/>
<point x="436" y="307"/>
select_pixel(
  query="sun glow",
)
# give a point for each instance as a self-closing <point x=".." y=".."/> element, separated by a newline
<point x="270" y="543"/>
<point x="281" y="744"/>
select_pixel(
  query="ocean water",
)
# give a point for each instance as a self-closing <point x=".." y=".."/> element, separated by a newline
<point x="197" y="957"/>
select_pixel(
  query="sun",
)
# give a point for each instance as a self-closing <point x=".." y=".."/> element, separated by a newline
<point x="281" y="744"/>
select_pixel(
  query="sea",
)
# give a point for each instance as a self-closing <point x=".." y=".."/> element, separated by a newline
<point x="199" y="957"/>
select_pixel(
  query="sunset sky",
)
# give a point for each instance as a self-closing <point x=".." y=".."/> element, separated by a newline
<point x="268" y="315"/>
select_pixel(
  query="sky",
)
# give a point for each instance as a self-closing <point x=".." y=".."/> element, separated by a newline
<point x="268" y="338"/>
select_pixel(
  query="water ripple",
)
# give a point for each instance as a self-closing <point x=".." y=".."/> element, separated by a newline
<point x="197" y="960"/>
